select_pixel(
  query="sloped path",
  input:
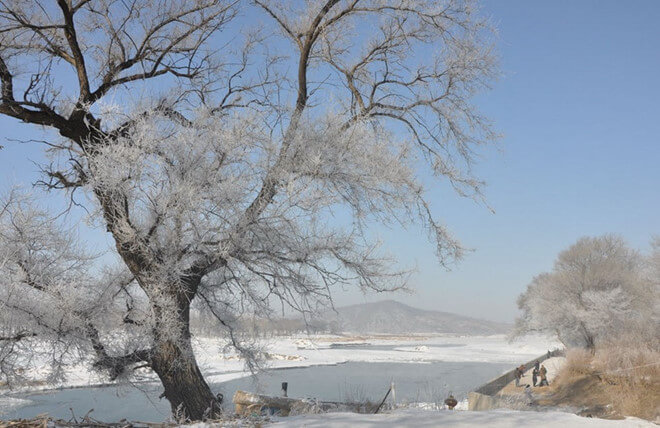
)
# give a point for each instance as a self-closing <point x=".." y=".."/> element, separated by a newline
<point x="553" y="365"/>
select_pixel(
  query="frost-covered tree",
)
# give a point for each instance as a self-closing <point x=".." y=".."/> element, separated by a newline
<point x="654" y="261"/>
<point x="653" y="280"/>
<point x="250" y="178"/>
<point x="595" y="291"/>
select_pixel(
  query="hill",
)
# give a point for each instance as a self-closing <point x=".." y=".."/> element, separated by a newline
<point x="392" y="317"/>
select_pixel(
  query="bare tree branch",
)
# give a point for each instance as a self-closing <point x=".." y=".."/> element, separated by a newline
<point x="17" y="337"/>
<point x="78" y="58"/>
<point x="223" y="186"/>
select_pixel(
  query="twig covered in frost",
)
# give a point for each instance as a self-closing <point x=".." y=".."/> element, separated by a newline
<point x="251" y="180"/>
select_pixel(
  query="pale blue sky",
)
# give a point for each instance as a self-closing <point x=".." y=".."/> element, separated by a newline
<point x="578" y="108"/>
<point x="580" y="153"/>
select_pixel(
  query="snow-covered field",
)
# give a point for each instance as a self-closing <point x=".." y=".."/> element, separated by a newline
<point x="306" y="351"/>
<point x="456" y="419"/>
<point x="303" y="351"/>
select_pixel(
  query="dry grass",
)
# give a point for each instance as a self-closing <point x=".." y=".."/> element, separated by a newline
<point x="619" y="380"/>
<point x="632" y="374"/>
<point x="578" y="363"/>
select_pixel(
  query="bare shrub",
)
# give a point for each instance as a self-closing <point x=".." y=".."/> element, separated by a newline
<point x="627" y="356"/>
<point x="354" y="393"/>
<point x="578" y="362"/>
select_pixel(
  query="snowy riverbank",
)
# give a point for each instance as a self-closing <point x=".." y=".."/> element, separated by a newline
<point x="305" y="351"/>
<point x="456" y="419"/>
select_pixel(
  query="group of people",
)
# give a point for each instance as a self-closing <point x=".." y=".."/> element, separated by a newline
<point x="539" y="373"/>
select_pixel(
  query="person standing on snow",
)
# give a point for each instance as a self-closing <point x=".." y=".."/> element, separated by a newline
<point x="544" y="380"/>
<point x="451" y="402"/>
<point x="535" y="373"/>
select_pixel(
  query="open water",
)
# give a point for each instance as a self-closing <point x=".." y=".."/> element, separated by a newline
<point x="352" y="381"/>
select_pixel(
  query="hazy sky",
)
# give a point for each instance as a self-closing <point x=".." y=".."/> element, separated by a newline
<point x="580" y="153"/>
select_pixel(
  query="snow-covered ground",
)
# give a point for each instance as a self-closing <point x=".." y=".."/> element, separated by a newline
<point x="306" y="351"/>
<point x="425" y="418"/>
<point x="303" y="351"/>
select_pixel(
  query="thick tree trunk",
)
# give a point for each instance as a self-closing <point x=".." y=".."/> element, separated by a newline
<point x="174" y="362"/>
<point x="185" y="388"/>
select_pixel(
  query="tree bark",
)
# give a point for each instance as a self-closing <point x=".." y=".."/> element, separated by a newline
<point x="174" y="362"/>
<point x="185" y="388"/>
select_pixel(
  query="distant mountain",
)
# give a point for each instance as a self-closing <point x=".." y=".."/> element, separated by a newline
<point x="391" y="317"/>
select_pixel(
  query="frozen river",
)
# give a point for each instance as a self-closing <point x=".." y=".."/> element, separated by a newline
<point x="415" y="382"/>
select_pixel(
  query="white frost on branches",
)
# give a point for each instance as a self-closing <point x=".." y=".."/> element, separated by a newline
<point x="288" y="130"/>
<point x="596" y="291"/>
<point x="49" y="296"/>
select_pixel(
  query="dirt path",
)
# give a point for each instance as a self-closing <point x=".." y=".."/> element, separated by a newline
<point x="552" y="365"/>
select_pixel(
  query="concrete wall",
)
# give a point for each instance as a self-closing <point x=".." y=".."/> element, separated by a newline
<point x="479" y="402"/>
<point x="484" y="398"/>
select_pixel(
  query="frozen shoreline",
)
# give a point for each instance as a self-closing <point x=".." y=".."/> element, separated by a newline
<point x="417" y="349"/>
<point x="306" y="351"/>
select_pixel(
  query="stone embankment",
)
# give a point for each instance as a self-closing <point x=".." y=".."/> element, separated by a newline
<point x="501" y="392"/>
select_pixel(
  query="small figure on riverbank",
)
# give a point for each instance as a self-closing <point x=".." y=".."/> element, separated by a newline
<point x="528" y="395"/>
<point x="535" y="373"/>
<point x="451" y="402"/>
<point x="542" y="373"/>
<point x="519" y="373"/>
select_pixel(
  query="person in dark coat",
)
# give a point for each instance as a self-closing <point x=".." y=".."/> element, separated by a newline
<point x="451" y="402"/>
<point x="542" y="373"/>
<point x="535" y="373"/>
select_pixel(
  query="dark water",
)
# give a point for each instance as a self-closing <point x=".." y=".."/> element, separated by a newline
<point x="415" y="382"/>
